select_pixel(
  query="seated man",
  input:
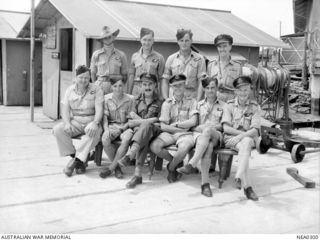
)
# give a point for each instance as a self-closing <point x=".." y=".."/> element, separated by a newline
<point x="178" y="115"/>
<point x="82" y="110"/>
<point x="147" y="110"/>
<point x="207" y="132"/>
<point x="241" y="121"/>
<point x="117" y="107"/>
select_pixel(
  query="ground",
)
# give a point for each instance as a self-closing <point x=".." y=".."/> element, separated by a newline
<point x="36" y="197"/>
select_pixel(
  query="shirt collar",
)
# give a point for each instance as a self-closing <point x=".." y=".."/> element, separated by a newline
<point x="191" y="54"/>
<point x="141" y="53"/>
<point x="237" y="102"/>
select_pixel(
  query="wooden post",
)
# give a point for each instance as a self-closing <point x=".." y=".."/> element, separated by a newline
<point x="304" y="63"/>
<point x="32" y="62"/>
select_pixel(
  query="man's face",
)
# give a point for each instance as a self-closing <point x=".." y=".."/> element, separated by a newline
<point x="243" y="92"/>
<point x="178" y="89"/>
<point x="185" y="42"/>
<point x="147" y="41"/>
<point x="148" y="87"/>
<point x="83" y="79"/>
<point x="224" y="49"/>
<point x="108" y="40"/>
<point x="117" y="88"/>
<point x="211" y="90"/>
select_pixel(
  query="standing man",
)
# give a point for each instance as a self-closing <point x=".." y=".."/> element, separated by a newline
<point x="146" y="60"/>
<point x="224" y="68"/>
<point x="108" y="62"/>
<point x="144" y="118"/>
<point x="178" y="116"/>
<point x="186" y="62"/>
<point x="241" y="122"/>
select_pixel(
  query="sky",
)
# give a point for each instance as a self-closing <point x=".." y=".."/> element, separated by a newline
<point x="263" y="14"/>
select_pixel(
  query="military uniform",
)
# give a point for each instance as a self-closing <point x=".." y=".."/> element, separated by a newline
<point x="211" y="115"/>
<point x="225" y="77"/>
<point x="173" y="111"/>
<point x="193" y="68"/>
<point x="82" y="109"/>
<point x="117" y="115"/>
<point x="152" y="64"/>
<point x="105" y="66"/>
<point x="241" y="118"/>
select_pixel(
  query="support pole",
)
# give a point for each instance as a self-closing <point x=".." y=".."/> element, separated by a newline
<point x="304" y="63"/>
<point x="32" y="62"/>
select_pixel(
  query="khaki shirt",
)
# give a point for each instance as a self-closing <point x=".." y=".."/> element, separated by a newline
<point x="103" y="65"/>
<point x="152" y="64"/>
<point x="83" y="106"/>
<point x="242" y="118"/>
<point x="210" y="114"/>
<point x="173" y="111"/>
<point x="145" y="110"/>
<point x="225" y="75"/>
<point x="117" y="112"/>
<point x="193" y="68"/>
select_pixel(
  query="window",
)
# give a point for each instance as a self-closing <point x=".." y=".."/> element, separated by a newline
<point x="66" y="49"/>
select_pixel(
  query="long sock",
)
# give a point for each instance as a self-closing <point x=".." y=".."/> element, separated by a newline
<point x="135" y="147"/>
<point x="138" y="171"/>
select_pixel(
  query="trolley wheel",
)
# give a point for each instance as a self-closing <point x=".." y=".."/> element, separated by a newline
<point x="262" y="148"/>
<point x="295" y="153"/>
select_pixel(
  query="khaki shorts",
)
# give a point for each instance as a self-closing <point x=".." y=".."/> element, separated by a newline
<point x="227" y="144"/>
<point x="114" y="133"/>
<point x="177" y="138"/>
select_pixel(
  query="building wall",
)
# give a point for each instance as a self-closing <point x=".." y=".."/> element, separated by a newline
<point x="53" y="88"/>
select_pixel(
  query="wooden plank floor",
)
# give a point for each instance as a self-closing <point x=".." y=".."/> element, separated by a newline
<point x="36" y="197"/>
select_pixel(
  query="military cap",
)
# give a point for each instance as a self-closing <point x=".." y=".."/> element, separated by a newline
<point x="223" y="38"/>
<point x="242" y="80"/>
<point x="82" y="69"/>
<point x="147" y="77"/>
<point x="177" y="79"/>
<point x="145" y="31"/>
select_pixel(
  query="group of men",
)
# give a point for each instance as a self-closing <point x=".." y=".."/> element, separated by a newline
<point x="153" y="104"/>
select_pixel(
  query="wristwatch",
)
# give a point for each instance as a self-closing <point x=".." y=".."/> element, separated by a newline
<point x="96" y="122"/>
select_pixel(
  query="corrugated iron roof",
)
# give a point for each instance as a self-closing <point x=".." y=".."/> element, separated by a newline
<point x="11" y="23"/>
<point x="89" y="16"/>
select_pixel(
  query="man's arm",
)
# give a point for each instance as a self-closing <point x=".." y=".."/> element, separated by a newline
<point x="138" y="122"/>
<point x="187" y="124"/>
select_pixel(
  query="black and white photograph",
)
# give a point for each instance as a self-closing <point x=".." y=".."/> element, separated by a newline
<point x="153" y="117"/>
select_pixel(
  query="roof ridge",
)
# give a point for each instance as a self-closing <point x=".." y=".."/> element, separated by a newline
<point x="11" y="11"/>
<point x="168" y="5"/>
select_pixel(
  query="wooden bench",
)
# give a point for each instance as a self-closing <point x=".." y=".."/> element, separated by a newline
<point x="224" y="156"/>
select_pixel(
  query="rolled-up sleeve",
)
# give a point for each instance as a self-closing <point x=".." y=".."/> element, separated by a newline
<point x="165" y="113"/>
<point x="65" y="100"/>
<point x="124" y="64"/>
<point x="193" y="108"/>
<point x="161" y="66"/>
<point x="99" y="95"/>
<point x="201" y="67"/>
<point x="167" y="69"/>
<point x="227" y="115"/>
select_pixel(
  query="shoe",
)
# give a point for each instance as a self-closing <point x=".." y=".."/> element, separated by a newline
<point x="178" y="175"/>
<point x="187" y="169"/>
<point x="105" y="173"/>
<point x="206" y="190"/>
<point x="237" y="183"/>
<point x="250" y="194"/>
<point x="118" y="173"/>
<point x="68" y="170"/>
<point x="124" y="161"/>
<point x="80" y="167"/>
<point x="172" y="176"/>
<point x="134" y="182"/>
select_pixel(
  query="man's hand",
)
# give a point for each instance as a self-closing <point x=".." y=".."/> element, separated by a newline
<point x="91" y="129"/>
<point x="124" y="127"/>
<point x="68" y="128"/>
